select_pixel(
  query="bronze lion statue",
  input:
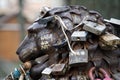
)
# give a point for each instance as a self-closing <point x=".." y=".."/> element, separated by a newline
<point x="45" y="36"/>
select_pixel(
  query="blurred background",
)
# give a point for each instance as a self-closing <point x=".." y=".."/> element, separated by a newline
<point x="17" y="15"/>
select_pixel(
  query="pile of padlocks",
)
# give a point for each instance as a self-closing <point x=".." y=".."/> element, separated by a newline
<point x="69" y="43"/>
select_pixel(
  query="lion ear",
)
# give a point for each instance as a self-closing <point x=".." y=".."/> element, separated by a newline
<point x="35" y="27"/>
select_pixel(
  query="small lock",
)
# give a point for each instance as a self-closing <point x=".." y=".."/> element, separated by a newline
<point x="47" y="71"/>
<point x="59" y="69"/>
<point x="81" y="56"/>
<point x="94" y="27"/>
<point x="107" y="47"/>
<point x="79" y="36"/>
<point x="113" y="21"/>
<point x="110" y="39"/>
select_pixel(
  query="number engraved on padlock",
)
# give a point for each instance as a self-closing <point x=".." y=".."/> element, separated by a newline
<point x="81" y="56"/>
<point x="79" y="36"/>
<point x="110" y="39"/>
<point x="94" y="27"/>
<point x="59" y="69"/>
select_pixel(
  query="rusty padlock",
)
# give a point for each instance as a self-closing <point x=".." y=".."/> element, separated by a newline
<point x="106" y="76"/>
<point x="60" y="68"/>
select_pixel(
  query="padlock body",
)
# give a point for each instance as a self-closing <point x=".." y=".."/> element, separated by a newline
<point x="110" y="39"/>
<point x="79" y="36"/>
<point x="59" y="69"/>
<point x="94" y="27"/>
<point x="80" y="57"/>
<point x="47" y="71"/>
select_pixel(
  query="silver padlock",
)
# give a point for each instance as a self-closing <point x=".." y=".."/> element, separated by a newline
<point x="113" y="21"/>
<point x="47" y="71"/>
<point x="94" y="28"/>
<point x="81" y="56"/>
<point x="79" y="36"/>
<point x="110" y="39"/>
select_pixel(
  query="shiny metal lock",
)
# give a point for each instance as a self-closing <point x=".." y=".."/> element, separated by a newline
<point x="59" y="69"/>
<point x="81" y="56"/>
<point x="94" y="28"/>
<point x="79" y="36"/>
<point x="110" y="39"/>
<point x="113" y="21"/>
<point x="47" y="71"/>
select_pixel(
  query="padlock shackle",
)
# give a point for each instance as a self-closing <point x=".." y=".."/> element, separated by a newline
<point x="90" y="73"/>
<point x="104" y="72"/>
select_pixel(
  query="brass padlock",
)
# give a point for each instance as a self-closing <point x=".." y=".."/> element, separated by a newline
<point x="81" y="56"/>
<point x="110" y="39"/>
<point x="60" y="68"/>
<point x="94" y="28"/>
<point x="79" y="36"/>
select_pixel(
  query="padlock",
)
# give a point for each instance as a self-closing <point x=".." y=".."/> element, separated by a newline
<point x="113" y="21"/>
<point x="94" y="28"/>
<point x="79" y="36"/>
<point x="110" y="39"/>
<point x="60" y="68"/>
<point x="81" y="56"/>
<point x="47" y="71"/>
<point x="107" y="47"/>
<point x="116" y="76"/>
<point x="106" y="76"/>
